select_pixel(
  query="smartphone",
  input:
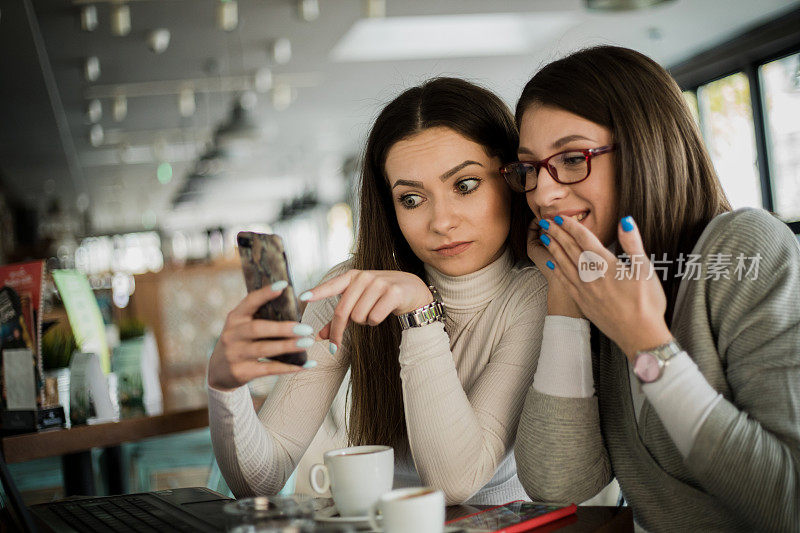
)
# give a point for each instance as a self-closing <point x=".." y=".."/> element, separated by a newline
<point x="511" y="517"/>
<point x="264" y="263"/>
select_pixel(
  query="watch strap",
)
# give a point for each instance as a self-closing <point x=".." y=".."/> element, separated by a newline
<point x="427" y="314"/>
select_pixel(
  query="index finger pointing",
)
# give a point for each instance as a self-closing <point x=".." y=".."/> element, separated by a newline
<point x="332" y="287"/>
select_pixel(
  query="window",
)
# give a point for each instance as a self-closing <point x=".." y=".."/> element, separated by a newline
<point x="780" y="83"/>
<point x="745" y="94"/>
<point x="726" y="119"/>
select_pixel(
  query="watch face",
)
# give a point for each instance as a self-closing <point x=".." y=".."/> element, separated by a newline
<point x="646" y="367"/>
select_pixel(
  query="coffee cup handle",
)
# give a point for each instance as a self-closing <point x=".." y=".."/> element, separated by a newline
<point x="373" y="517"/>
<point x="326" y="482"/>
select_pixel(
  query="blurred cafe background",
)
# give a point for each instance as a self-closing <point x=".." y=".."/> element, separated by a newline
<point x="137" y="137"/>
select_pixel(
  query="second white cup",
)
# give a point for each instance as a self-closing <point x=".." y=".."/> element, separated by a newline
<point x="418" y="509"/>
<point x="356" y="476"/>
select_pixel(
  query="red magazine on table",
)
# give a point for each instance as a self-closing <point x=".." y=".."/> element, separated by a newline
<point x="512" y="517"/>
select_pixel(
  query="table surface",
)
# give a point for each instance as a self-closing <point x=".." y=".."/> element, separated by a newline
<point x="56" y="442"/>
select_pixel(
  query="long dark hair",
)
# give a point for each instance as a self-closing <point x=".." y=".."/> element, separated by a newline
<point x="377" y="415"/>
<point x="664" y="176"/>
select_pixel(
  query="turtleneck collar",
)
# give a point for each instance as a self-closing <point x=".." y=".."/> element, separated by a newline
<point x="475" y="289"/>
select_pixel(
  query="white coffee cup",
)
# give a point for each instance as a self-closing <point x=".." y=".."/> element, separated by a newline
<point x="418" y="509"/>
<point x="356" y="476"/>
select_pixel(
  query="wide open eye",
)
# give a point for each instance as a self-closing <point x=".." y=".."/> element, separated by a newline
<point x="468" y="185"/>
<point x="410" y="201"/>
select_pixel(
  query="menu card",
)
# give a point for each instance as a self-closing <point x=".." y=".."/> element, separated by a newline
<point x="84" y="314"/>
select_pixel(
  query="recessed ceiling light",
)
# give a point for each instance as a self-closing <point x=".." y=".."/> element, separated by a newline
<point x="495" y="34"/>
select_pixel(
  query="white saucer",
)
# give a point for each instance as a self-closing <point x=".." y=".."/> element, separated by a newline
<point x="321" y="517"/>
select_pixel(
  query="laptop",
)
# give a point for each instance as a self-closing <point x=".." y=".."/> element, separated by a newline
<point x="175" y="510"/>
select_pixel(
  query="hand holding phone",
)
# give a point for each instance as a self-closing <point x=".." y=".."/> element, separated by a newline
<point x="262" y="335"/>
<point x="247" y="345"/>
<point x="264" y="263"/>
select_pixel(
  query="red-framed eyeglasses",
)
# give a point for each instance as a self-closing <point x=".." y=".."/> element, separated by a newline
<point x="567" y="167"/>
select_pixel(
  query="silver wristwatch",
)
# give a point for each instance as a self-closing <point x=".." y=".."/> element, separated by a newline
<point x="648" y="365"/>
<point x="427" y="314"/>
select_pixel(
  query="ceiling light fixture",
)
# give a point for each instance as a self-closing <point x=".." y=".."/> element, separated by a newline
<point x="164" y="173"/>
<point x="621" y="5"/>
<point x="262" y="80"/>
<point x="158" y="40"/>
<point x="96" y="135"/>
<point x="186" y="102"/>
<point x="282" y="96"/>
<point x="91" y="68"/>
<point x="374" y="9"/>
<point x="227" y="15"/>
<point x="88" y="18"/>
<point x="119" y="108"/>
<point x="120" y="20"/>
<point x="280" y="51"/>
<point x="308" y="10"/>
<point x="94" y="111"/>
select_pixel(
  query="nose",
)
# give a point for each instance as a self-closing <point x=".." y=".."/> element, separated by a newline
<point x="547" y="191"/>
<point x="444" y="217"/>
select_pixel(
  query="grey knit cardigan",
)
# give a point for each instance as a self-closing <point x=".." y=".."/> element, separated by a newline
<point x="743" y="471"/>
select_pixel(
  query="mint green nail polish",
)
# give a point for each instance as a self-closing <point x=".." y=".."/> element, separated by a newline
<point x="302" y="329"/>
<point x="310" y="364"/>
<point x="332" y="348"/>
<point x="279" y="285"/>
<point x="306" y="296"/>
<point x="305" y="342"/>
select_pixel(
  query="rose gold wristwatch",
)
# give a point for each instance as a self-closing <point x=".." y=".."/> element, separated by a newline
<point x="648" y="365"/>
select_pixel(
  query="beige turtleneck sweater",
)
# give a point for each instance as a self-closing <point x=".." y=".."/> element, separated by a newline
<point x="463" y="389"/>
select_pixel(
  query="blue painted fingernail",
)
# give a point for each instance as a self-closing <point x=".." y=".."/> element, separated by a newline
<point x="544" y="224"/>
<point x="305" y="342"/>
<point x="302" y="329"/>
<point x="545" y="239"/>
<point x="279" y="285"/>
<point x="558" y="220"/>
<point x="310" y="364"/>
<point x="627" y="223"/>
<point x="550" y="265"/>
<point x="306" y="296"/>
<point x="332" y="348"/>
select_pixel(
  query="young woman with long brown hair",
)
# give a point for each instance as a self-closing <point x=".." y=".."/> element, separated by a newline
<point x="679" y="371"/>
<point x="436" y="217"/>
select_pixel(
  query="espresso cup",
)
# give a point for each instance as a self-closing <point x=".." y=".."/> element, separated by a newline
<point x="356" y="477"/>
<point x="419" y="509"/>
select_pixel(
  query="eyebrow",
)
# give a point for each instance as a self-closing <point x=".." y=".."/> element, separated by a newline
<point x="557" y="144"/>
<point x="443" y="177"/>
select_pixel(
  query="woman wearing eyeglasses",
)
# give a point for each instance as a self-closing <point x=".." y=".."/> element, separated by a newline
<point x="678" y="317"/>
<point x="434" y="320"/>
